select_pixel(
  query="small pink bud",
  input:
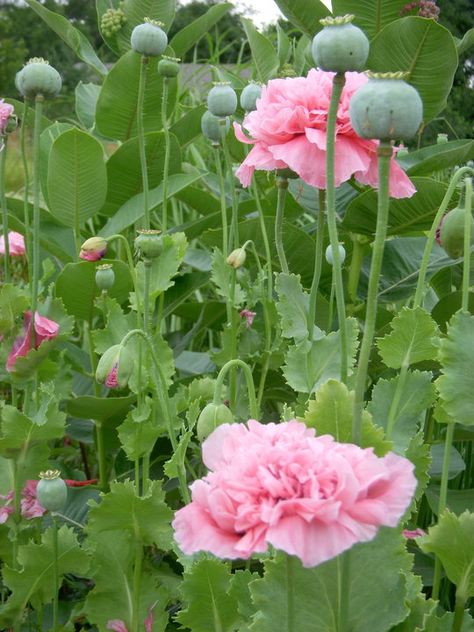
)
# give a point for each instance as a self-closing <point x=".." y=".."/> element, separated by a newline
<point x="248" y="315"/>
<point x="93" y="249"/>
<point x="16" y="243"/>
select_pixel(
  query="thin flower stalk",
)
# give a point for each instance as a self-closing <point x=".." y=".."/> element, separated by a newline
<point x="3" y="204"/>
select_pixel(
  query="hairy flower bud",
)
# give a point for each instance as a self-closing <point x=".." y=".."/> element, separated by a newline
<point x="51" y="490"/>
<point x="340" y="46"/>
<point x="115" y="367"/>
<point x="93" y="249"/>
<point x="211" y="416"/>
<point x="237" y="257"/>
<point x="451" y="232"/>
<point x="222" y="99"/>
<point x="38" y="78"/>
<point x="149" y="39"/>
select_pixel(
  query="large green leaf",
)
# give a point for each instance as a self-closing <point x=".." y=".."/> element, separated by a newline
<point x="99" y="408"/>
<point x="292" y="306"/>
<point x="165" y="266"/>
<point x="407" y="215"/>
<point x="116" y="110"/>
<point x="456" y="384"/>
<point x="47" y="138"/>
<point x="263" y="51"/>
<point x="304" y="14"/>
<point x="86" y="100"/>
<point x="417" y="45"/>
<point x="466" y="42"/>
<point x="188" y="127"/>
<point x="457" y="500"/>
<point x="452" y="540"/>
<point x="290" y="597"/>
<point x="69" y="34"/>
<point x="187" y="37"/>
<point x="124" y="172"/>
<point x="77" y="177"/>
<point x="370" y="15"/>
<point x="413" y="339"/>
<point x="422" y="162"/>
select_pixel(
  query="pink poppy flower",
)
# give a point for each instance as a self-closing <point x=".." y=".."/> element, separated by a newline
<point x="248" y="315"/>
<point x="45" y="329"/>
<point x="288" y="130"/>
<point x="7" y="507"/>
<point x="279" y="484"/>
<point x="16" y="244"/>
<point x="6" y="110"/>
<point x="30" y="507"/>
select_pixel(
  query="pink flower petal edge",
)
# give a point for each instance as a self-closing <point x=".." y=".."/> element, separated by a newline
<point x="16" y="244"/>
<point x="45" y="329"/>
<point x="279" y="484"/>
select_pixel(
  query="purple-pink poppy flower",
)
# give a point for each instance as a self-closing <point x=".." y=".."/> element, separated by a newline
<point x="45" y="329"/>
<point x="16" y="244"/>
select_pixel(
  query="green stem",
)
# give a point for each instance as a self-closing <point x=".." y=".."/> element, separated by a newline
<point x="146" y="298"/>
<point x="282" y="185"/>
<point x="141" y="138"/>
<point x="384" y="153"/>
<point x="137" y="576"/>
<point x="164" y="122"/>
<point x="458" y="613"/>
<point x="266" y="242"/>
<point x="36" y="203"/>
<point x="253" y="408"/>
<point x="3" y="204"/>
<point x="355" y="268"/>
<point x="443" y="494"/>
<point x="432" y="234"/>
<point x="337" y="87"/>
<point x="26" y="177"/>
<point x="318" y="265"/>
<point x="225" y="245"/>
<point x="233" y="342"/>
<point x="55" y="574"/>
<point x="228" y="164"/>
<point x="467" y="245"/>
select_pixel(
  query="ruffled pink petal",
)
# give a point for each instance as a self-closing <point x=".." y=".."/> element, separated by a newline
<point x="239" y="134"/>
<point x="400" y="185"/>
<point x="304" y="158"/>
<point x="45" y="329"/>
<point x="258" y="158"/>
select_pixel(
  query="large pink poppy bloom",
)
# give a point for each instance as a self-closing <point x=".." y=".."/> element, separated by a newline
<point x="279" y="484"/>
<point x="288" y="130"/>
<point x="16" y="244"/>
<point x="44" y="328"/>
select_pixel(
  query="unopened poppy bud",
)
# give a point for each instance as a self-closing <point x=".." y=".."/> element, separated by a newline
<point x="169" y="66"/>
<point x="93" y="249"/>
<point x="51" y="490"/>
<point x="149" y="39"/>
<point x="237" y="257"/>
<point x="149" y="243"/>
<point x="115" y="367"/>
<point x="340" y="46"/>
<point x="329" y="254"/>
<point x="211" y="416"/>
<point x="105" y="277"/>
<point x="38" y="78"/>
<point x="211" y="128"/>
<point x="249" y="96"/>
<point x="451" y="232"/>
<point x="222" y="99"/>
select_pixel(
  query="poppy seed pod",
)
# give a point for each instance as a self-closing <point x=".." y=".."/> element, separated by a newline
<point x="51" y="491"/>
<point x="210" y="127"/>
<point x="340" y="46"/>
<point x="211" y="416"/>
<point x="222" y="99"/>
<point x="451" y="233"/>
<point x="38" y="78"/>
<point x="169" y="66"/>
<point x="149" y="39"/>
<point x="149" y="243"/>
<point x="329" y="254"/>
<point x="386" y="108"/>
<point x="105" y="277"/>
<point x="249" y="96"/>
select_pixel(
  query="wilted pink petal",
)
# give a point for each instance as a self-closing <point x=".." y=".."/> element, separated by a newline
<point x="149" y="620"/>
<point x="411" y="534"/>
<point x="16" y="244"/>
<point x="116" y="625"/>
<point x="288" y="129"/>
<point x="6" y="110"/>
<point x="279" y="484"/>
<point x="248" y="315"/>
<point x="111" y="379"/>
<point x="30" y="507"/>
<point x="7" y="508"/>
<point x="45" y="329"/>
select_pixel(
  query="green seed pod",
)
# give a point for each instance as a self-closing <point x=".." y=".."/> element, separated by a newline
<point x="386" y="108"/>
<point x="38" y="78"/>
<point x="210" y="127"/>
<point x="149" y="243"/>
<point x="329" y="255"/>
<point x="18" y="80"/>
<point x="222" y="99"/>
<point x="169" y="66"/>
<point x="340" y="46"/>
<point x="211" y="416"/>
<point x="237" y="257"/>
<point x="249" y="96"/>
<point x="451" y="235"/>
<point x="51" y="491"/>
<point x="149" y="39"/>
<point x="105" y="277"/>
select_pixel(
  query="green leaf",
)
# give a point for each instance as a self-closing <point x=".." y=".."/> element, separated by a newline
<point x="138" y="437"/>
<point x="13" y="302"/>
<point x="406" y="216"/>
<point x="47" y="138"/>
<point x="187" y="37"/>
<point x="449" y="304"/>
<point x="147" y="516"/>
<point x="445" y="623"/>
<point x="188" y="127"/>
<point x="174" y="465"/>
<point x="293" y="307"/>
<point x="456" y="384"/>
<point x="86" y="100"/>
<point x="466" y="42"/>
<point x="304" y="14"/>
<point x="283" y="45"/>
<point x="209" y="605"/>
<point x="422" y="162"/>
<point x="135" y="13"/>
<point x="456" y="462"/>
<point x="290" y="597"/>
<point x="417" y="45"/>
<point x="370" y="16"/>
<point x="401" y="417"/>
<point x="452" y="541"/>
<point x="99" y="408"/>
<point x="69" y="34"/>
<point x="413" y="338"/>
<point x="124" y="173"/>
<point x="116" y="110"/>
<point x="308" y="365"/>
<point x="165" y="266"/>
<point x="222" y="274"/>
<point x="77" y="288"/>
<point x="133" y="209"/>
<point x="263" y="51"/>
<point x="35" y="581"/>
<point x="77" y="177"/>
<point x="331" y="413"/>
<point x="457" y="500"/>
